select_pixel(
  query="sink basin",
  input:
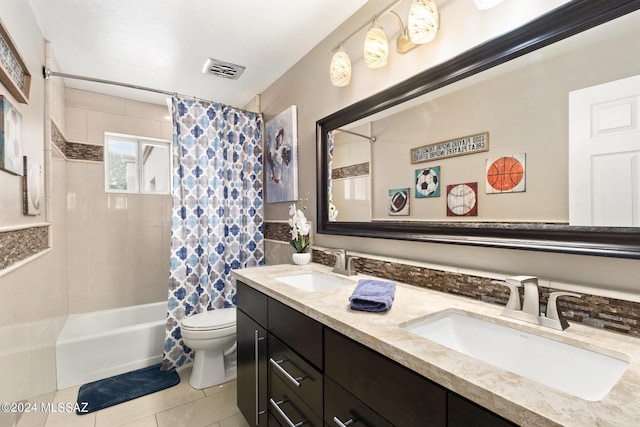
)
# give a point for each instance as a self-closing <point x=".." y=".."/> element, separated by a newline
<point x="582" y="373"/>
<point x="313" y="281"/>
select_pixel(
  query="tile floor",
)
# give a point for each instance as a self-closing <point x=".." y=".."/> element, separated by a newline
<point x="180" y="405"/>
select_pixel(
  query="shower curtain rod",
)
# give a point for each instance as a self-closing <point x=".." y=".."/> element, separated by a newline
<point x="371" y="139"/>
<point x="48" y="74"/>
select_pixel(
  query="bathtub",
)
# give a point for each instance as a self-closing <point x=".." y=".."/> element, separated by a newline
<point x="100" y="344"/>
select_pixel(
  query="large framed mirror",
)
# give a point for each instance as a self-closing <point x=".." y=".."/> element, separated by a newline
<point x="493" y="92"/>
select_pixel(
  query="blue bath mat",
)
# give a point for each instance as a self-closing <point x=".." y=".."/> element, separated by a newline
<point x="121" y="388"/>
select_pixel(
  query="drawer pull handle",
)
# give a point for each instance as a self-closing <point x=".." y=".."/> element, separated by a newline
<point x="343" y="424"/>
<point x="276" y="406"/>
<point x="276" y="364"/>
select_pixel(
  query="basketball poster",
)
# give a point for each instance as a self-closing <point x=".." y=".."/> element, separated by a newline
<point x="506" y="174"/>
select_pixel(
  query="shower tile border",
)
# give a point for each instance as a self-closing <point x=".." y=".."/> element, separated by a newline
<point x="18" y="245"/>
<point x="600" y="312"/>
<point x="352" y="171"/>
<point x="76" y="150"/>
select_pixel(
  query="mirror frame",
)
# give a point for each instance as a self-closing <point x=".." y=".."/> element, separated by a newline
<point x="565" y="21"/>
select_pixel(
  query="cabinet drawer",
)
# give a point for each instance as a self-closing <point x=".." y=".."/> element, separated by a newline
<point x="398" y="394"/>
<point x="301" y="333"/>
<point x="284" y="403"/>
<point x="462" y="413"/>
<point x="252" y="302"/>
<point x="340" y="404"/>
<point x="283" y="361"/>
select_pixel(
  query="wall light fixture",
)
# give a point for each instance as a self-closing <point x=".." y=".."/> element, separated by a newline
<point x="423" y="21"/>
<point x="376" y="47"/>
<point x="340" y="69"/>
<point x="422" y="26"/>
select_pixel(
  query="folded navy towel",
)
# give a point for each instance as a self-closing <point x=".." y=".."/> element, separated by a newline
<point x="373" y="295"/>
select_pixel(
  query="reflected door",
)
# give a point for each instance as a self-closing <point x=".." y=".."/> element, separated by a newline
<point x="604" y="154"/>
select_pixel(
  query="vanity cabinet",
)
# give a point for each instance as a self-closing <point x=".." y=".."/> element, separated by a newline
<point x="252" y="349"/>
<point x="295" y="366"/>
<point x="340" y="406"/>
<point x="292" y="369"/>
<point x="463" y="413"/>
<point x="398" y="394"/>
<point x="280" y="378"/>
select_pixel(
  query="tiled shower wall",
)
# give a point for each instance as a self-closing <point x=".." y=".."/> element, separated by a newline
<point x="118" y="244"/>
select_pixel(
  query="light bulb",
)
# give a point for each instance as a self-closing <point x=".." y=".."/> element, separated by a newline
<point x="376" y="47"/>
<point x="423" y="21"/>
<point x="340" y="68"/>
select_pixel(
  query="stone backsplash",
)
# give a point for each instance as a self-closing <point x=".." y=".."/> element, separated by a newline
<point x="600" y="312"/>
<point x="592" y="310"/>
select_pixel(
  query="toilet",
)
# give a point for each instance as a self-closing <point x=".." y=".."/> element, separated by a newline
<point x="212" y="335"/>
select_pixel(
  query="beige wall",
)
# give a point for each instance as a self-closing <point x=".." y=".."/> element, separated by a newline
<point x="106" y="250"/>
<point x="34" y="293"/>
<point x="118" y="244"/>
<point x="524" y="111"/>
<point x="307" y="85"/>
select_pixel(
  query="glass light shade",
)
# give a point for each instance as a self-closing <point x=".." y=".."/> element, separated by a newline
<point x="376" y="48"/>
<point x="486" y="4"/>
<point x="340" y="69"/>
<point x="423" y="21"/>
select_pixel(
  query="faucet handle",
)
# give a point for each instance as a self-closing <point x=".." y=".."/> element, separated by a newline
<point x="552" y="307"/>
<point x="514" y="295"/>
<point x="350" y="270"/>
<point x="336" y="252"/>
<point x="340" y="254"/>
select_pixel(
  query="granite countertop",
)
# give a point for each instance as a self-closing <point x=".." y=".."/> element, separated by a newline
<point x="523" y="401"/>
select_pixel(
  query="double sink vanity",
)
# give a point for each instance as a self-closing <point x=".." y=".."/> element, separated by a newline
<point x="306" y="358"/>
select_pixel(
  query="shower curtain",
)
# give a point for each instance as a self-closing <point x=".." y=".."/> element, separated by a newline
<point x="217" y="214"/>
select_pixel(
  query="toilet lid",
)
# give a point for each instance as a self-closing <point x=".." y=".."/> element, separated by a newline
<point x="212" y="319"/>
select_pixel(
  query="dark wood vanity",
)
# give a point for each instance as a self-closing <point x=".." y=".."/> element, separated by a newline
<point x="293" y="369"/>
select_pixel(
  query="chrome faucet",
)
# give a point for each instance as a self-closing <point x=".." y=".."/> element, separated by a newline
<point x="344" y="263"/>
<point x="530" y="311"/>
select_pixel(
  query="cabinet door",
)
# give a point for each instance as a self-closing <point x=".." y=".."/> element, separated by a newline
<point x="401" y="396"/>
<point x="252" y="370"/>
<point x="463" y="413"/>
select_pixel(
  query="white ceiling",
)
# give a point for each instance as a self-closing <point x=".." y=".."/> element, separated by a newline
<point x="163" y="44"/>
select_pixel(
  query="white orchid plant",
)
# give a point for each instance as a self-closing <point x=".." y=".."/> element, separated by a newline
<point x="300" y="227"/>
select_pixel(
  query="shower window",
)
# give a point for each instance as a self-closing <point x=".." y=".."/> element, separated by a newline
<point x="137" y="165"/>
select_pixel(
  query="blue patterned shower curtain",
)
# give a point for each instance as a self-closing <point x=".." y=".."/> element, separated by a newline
<point x="217" y="214"/>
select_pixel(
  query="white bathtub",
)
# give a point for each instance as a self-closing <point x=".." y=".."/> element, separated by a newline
<point x="98" y="345"/>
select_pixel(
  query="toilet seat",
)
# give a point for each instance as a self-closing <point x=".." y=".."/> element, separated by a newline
<point x="211" y="320"/>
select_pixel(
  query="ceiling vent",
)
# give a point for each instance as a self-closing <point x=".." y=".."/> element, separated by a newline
<point x="222" y="69"/>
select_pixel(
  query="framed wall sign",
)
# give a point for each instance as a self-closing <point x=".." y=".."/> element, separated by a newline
<point x="281" y="154"/>
<point x="13" y="71"/>
<point x="10" y="138"/>
<point x="451" y="148"/>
